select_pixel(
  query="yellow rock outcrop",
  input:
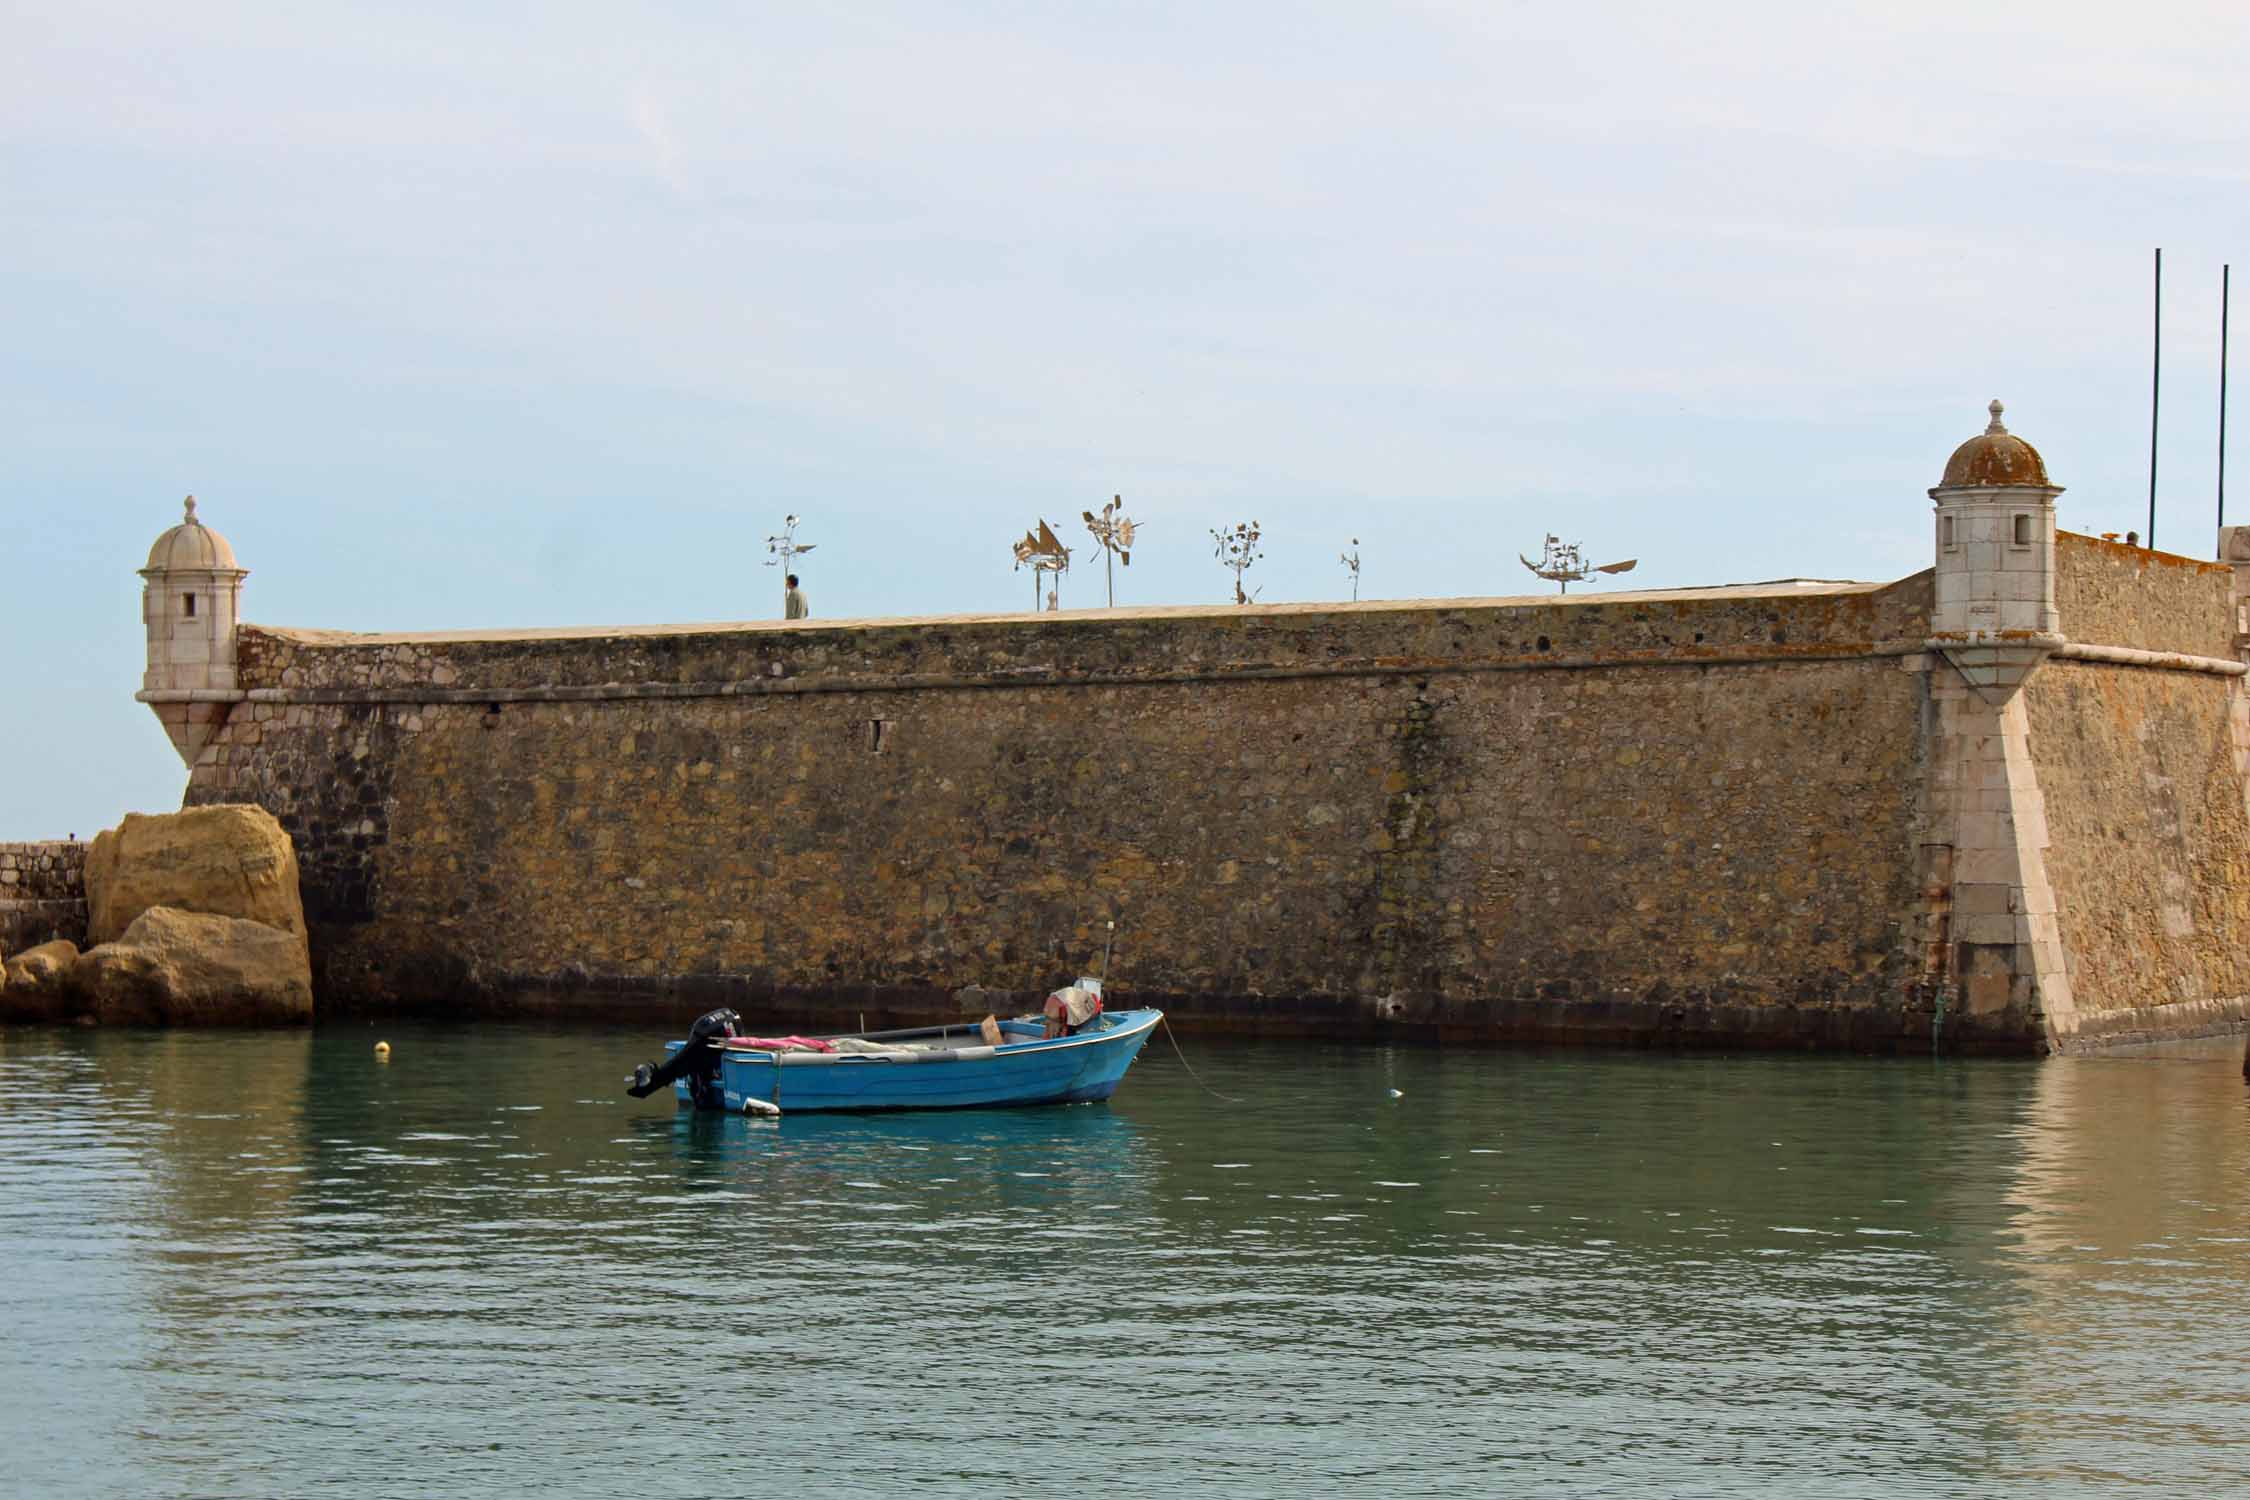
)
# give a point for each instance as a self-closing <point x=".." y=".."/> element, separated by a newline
<point x="230" y="860"/>
<point x="191" y="968"/>
<point x="35" y="982"/>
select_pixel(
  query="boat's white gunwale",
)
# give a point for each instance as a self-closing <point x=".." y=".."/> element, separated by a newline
<point x="1039" y="1045"/>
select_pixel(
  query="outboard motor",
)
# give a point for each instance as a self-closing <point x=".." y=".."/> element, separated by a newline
<point x="697" y="1062"/>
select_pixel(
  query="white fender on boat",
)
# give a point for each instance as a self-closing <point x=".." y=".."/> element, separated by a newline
<point x="761" y="1107"/>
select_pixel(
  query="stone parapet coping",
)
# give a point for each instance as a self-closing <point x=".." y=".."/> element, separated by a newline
<point x="2170" y="661"/>
<point x="1793" y="588"/>
<point x="605" y="692"/>
<point x="1042" y="677"/>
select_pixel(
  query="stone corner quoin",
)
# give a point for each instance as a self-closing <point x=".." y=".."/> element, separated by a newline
<point x="1995" y="806"/>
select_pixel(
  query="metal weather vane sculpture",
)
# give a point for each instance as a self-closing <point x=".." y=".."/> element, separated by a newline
<point x="785" y="550"/>
<point x="1565" y="564"/>
<point x="1115" y="531"/>
<point x="1237" y="549"/>
<point x="1045" y="554"/>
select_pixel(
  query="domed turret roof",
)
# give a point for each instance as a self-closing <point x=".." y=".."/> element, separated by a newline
<point x="191" y="544"/>
<point x="1994" y="457"/>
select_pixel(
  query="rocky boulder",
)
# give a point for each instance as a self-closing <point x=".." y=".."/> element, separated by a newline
<point x="36" y="984"/>
<point x="225" y="861"/>
<point x="184" y="968"/>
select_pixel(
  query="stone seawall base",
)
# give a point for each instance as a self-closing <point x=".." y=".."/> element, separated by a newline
<point x="2183" y="1020"/>
<point x="669" y="1004"/>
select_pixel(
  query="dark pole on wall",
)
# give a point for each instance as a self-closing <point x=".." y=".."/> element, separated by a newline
<point x="2225" y="273"/>
<point x="2155" y="390"/>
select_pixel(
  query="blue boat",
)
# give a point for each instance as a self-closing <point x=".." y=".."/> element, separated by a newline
<point x="936" y="1067"/>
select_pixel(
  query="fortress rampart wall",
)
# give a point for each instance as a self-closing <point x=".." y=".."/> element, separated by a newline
<point x="2140" y="786"/>
<point x="2110" y="594"/>
<point x="1998" y="805"/>
<point x="1684" y="815"/>
<point x="2141" y="796"/>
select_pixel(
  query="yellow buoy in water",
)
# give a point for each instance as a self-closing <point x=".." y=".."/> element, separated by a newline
<point x="383" y="1050"/>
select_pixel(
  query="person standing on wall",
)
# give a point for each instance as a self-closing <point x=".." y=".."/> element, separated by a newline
<point x="793" y="602"/>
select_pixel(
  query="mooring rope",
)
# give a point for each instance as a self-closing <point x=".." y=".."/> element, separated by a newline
<point x="1166" y="1023"/>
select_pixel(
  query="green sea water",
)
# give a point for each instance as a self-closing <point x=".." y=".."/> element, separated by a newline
<point x="269" y="1264"/>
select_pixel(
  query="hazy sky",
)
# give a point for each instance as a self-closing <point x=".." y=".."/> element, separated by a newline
<point x="462" y="315"/>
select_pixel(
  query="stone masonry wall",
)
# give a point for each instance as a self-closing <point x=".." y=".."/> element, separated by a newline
<point x="2150" y="843"/>
<point x="2109" y="594"/>
<point x="42" y="894"/>
<point x="1688" y="816"/>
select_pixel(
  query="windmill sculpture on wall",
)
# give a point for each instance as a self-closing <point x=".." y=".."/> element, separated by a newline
<point x="1043" y="552"/>
<point x="1237" y="550"/>
<point x="1115" y="531"/>
<point x="1565" y="564"/>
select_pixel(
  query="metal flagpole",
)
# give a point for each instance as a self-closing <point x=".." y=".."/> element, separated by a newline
<point x="2155" y="388"/>
<point x="2225" y="273"/>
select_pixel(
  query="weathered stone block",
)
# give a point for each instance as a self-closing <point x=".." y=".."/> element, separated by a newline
<point x="1985" y="927"/>
<point x="1988" y="994"/>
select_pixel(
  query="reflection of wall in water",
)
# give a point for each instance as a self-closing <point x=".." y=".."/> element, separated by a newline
<point x="2125" y="1263"/>
<point x="2116" y="1154"/>
<point x="226" y="1170"/>
<point x="232" y="1105"/>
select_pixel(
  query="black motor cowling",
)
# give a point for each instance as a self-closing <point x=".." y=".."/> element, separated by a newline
<point x="698" y="1061"/>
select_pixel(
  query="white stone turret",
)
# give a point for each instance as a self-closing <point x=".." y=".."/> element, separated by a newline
<point x="1994" y="617"/>
<point x="190" y="601"/>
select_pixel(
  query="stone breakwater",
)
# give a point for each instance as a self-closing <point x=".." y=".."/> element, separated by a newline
<point x="42" y="894"/>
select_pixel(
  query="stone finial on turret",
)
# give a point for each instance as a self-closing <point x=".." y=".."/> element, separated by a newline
<point x="190" y="597"/>
<point x="1994" y="615"/>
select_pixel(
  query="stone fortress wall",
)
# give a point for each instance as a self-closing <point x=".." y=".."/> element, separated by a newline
<point x="2141" y="775"/>
<point x="42" y="894"/>
<point x="1540" y="818"/>
<point x="1996" y="806"/>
